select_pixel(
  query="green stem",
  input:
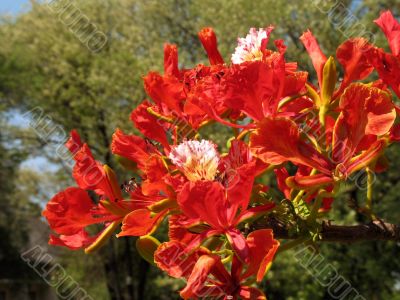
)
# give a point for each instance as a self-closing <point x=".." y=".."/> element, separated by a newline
<point x="314" y="210"/>
<point x="370" y="181"/>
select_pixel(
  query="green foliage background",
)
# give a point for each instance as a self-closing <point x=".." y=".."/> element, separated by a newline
<point x="43" y="64"/>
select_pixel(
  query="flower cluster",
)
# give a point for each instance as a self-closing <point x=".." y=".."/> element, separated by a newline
<point x="312" y="136"/>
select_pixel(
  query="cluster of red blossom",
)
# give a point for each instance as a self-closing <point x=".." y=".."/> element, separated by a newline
<point x="328" y="131"/>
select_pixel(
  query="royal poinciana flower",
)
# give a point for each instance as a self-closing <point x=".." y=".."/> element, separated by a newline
<point x="71" y="211"/>
<point x="387" y="65"/>
<point x="172" y="110"/>
<point x="207" y="276"/>
<point x="198" y="160"/>
<point x="221" y="203"/>
<point x="359" y="136"/>
<point x="213" y="202"/>
<point x="258" y="84"/>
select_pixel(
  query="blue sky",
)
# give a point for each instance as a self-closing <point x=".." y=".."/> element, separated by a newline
<point x="13" y="6"/>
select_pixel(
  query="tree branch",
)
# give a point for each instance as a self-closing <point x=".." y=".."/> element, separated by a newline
<point x="374" y="231"/>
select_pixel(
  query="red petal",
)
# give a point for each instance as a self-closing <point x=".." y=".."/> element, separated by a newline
<point x="171" y="60"/>
<point x="395" y="133"/>
<point x="238" y="243"/>
<point x="209" y="41"/>
<point x="131" y="147"/>
<point x="262" y="247"/>
<point x="317" y="57"/>
<point x="356" y="66"/>
<point x="74" y="241"/>
<point x="199" y="276"/>
<point x="165" y="91"/>
<point x="177" y="229"/>
<point x="240" y="185"/>
<point x="200" y="238"/>
<point x="89" y="174"/>
<point x="387" y="66"/>
<point x="281" y="176"/>
<point x="278" y="140"/>
<point x="251" y="293"/>
<point x="149" y="125"/>
<point x="71" y="210"/>
<point x="305" y="182"/>
<point x="257" y="87"/>
<point x="74" y="143"/>
<point x="140" y="222"/>
<point x="363" y="160"/>
<point x="173" y="258"/>
<point x="205" y="200"/>
<point x="391" y="28"/>
<point x="364" y="111"/>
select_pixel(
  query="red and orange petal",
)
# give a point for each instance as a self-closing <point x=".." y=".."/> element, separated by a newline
<point x="239" y="185"/>
<point x="278" y="140"/>
<point x="262" y="249"/>
<point x="281" y="176"/>
<point x="238" y="244"/>
<point x="388" y="67"/>
<point x="205" y="266"/>
<point x="391" y="28"/>
<point x="74" y="143"/>
<point x="173" y="258"/>
<point x="141" y="222"/>
<point x="149" y="125"/>
<point x="364" y="111"/>
<point x="209" y="41"/>
<point x="165" y="91"/>
<point x="89" y="174"/>
<point x="314" y="51"/>
<point x="71" y="210"/>
<point x="75" y="241"/>
<point x="131" y="147"/>
<point x="362" y="160"/>
<point x="309" y="181"/>
<point x="171" y="60"/>
<point x="177" y="229"/>
<point x="253" y="88"/>
<point x="251" y="293"/>
<point x="351" y="56"/>
<point x="205" y="200"/>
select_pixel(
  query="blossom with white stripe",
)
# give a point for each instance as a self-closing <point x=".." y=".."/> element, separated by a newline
<point x="250" y="47"/>
<point x="198" y="160"/>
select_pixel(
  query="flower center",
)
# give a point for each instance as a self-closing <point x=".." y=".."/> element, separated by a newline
<point x="250" y="47"/>
<point x="198" y="160"/>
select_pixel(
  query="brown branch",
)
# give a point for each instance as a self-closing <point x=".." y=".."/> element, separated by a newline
<point x="374" y="231"/>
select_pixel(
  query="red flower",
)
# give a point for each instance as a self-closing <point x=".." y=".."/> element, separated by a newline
<point x="366" y="115"/>
<point x="387" y="65"/>
<point x="262" y="248"/>
<point x="209" y="202"/>
<point x="72" y="210"/>
<point x="171" y="91"/>
<point x="351" y="54"/>
<point x="152" y="201"/>
<point x="391" y="28"/>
